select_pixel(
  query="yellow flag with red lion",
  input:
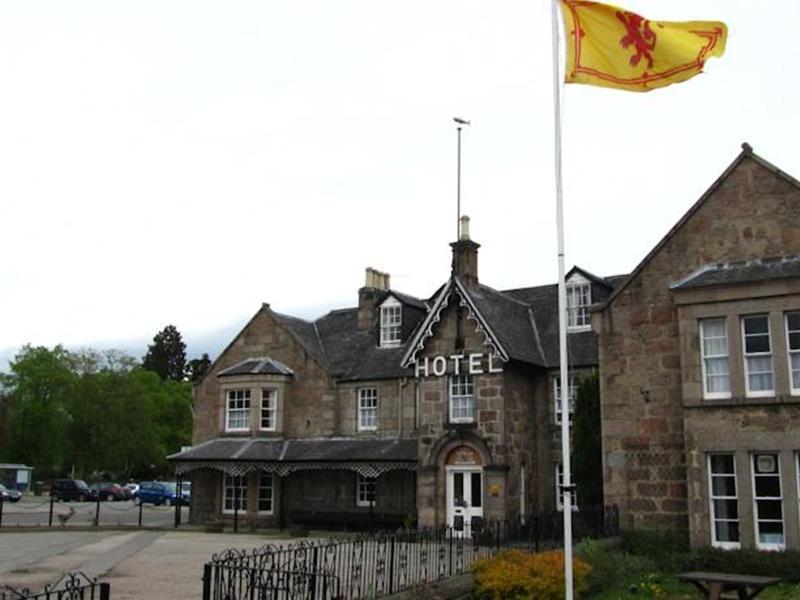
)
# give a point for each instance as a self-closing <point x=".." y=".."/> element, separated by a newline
<point x="613" y="47"/>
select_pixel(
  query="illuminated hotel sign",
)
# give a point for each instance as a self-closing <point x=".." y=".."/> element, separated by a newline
<point x="457" y="364"/>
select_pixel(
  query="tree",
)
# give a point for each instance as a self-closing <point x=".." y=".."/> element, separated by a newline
<point x="197" y="368"/>
<point x="587" y="450"/>
<point x="166" y="355"/>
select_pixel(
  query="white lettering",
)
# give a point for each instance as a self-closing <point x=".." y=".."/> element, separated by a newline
<point x="456" y="358"/>
<point x="439" y="366"/>
<point x="475" y="364"/>
<point x="492" y="368"/>
<point x="421" y="367"/>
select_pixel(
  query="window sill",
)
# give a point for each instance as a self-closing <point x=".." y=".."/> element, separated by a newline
<point x="460" y="425"/>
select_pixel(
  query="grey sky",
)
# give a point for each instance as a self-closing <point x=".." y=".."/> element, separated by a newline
<point x="182" y="162"/>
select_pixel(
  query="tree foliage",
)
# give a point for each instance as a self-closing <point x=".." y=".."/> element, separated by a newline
<point x="92" y="411"/>
<point x="587" y="451"/>
<point x="166" y="355"/>
<point x="197" y="368"/>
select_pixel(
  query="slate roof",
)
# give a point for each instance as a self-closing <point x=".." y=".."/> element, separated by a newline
<point x="257" y="366"/>
<point x="302" y="450"/>
<point x="764" y="269"/>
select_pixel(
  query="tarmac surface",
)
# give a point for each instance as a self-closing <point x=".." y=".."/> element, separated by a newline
<point x="138" y="564"/>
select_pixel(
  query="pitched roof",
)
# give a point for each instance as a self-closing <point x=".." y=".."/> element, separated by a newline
<point x="764" y="269"/>
<point x="257" y="366"/>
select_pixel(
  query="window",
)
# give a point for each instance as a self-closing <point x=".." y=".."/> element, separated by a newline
<point x="768" y="500"/>
<point x="757" y="355"/>
<point x="269" y="409"/>
<point x="234" y="491"/>
<point x="367" y="409"/>
<point x="391" y="319"/>
<point x="724" y="501"/>
<point x="365" y="491"/>
<point x="238" y="411"/>
<point x="572" y="390"/>
<point x="579" y="298"/>
<point x="559" y="493"/>
<point x="462" y="399"/>
<point x="716" y="364"/>
<point x="793" y="346"/>
<point x="266" y="488"/>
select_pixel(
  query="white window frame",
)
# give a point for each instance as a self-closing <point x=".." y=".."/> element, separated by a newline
<point x="559" y="494"/>
<point x="572" y="390"/>
<point x="753" y="461"/>
<point x="363" y="487"/>
<point x="238" y="396"/>
<point x="368" y="409"/>
<point x="707" y="395"/>
<point x="461" y="383"/>
<point x="579" y="299"/>
<point x="230" y="482"/>
<point x="746" y="355"/>
<point x="711" y="498"/>
<point x="263" y="478"/>
<point x="794" y="390"/>
<point x="270" y="410"/>
<point x="391" y="323"/>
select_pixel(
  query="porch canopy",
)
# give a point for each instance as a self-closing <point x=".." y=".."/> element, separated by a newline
<point x="239" y="456"/>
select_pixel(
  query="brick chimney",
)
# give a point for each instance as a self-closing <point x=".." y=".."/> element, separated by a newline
<point x="375" y="283"/>
<point x="465" y="255"/>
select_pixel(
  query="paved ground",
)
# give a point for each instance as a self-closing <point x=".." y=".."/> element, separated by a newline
<point x="138" y="564"/>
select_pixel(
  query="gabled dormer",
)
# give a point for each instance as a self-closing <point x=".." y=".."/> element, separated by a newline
<point x="583" y="290"/>
<point x="391" y="323"/>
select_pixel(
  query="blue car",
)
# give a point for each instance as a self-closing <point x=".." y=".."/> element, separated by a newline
<point x="160" y="493"/>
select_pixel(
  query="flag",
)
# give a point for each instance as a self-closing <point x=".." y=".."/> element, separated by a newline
<point x="613" y="47"/>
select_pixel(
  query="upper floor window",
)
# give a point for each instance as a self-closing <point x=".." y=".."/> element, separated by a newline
<point x="724" y="500"/>
<point x="579" y="298"/>
<point x="793" y="348"/>
<point x="365" y="490"/>
<point x="462" y="399"/>
<point x="391" y="320"/>
<point x="367" y="409"/>
<point x="237" y="410"/>
<point x="269" y="409"/>
<point x="572" y="390"/>
<point x="757" y="355"/>
<point x="716" y="362"/>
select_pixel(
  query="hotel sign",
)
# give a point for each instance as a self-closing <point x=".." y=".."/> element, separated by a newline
<point x="457" y="364"/>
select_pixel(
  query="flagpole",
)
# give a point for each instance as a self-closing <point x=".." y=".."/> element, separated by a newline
<point x="566" y="487"/>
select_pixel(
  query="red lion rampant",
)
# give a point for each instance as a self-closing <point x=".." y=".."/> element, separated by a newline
<point x="639" y="35"/>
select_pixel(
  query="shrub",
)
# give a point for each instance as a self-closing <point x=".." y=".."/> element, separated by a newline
<point x="610" y="565"/>
<point x="785" y="565"/>
<point x="518" y="575"/>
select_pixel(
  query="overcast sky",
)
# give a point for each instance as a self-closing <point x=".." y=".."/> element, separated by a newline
<point x="183" y="162"/>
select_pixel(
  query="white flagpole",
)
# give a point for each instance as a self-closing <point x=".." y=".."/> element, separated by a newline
<point x="562" y="317"/>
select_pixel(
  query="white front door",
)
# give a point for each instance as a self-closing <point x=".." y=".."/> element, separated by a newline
<point x="464" y="498"/>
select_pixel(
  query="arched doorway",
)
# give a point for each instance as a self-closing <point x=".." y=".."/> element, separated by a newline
<point x="464" y="489"/>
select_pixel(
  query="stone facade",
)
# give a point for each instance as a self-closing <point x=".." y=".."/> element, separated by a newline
<point x="658" y="428"/>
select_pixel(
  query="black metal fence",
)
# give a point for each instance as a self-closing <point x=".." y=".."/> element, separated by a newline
<point x="71" y="586"/>
<point x="380" y="564"/>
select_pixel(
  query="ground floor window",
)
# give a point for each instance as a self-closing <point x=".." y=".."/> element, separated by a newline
<point x="365" y="491"/>
<point x="768" y="500"/>
<point x="724" y="501"/>
<point x="234" y="492"/>
<point x="266" y="489"/>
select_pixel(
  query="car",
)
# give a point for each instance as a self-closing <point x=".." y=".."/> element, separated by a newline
<point x="71" y="489"/>
<point x="160" y="493"/>
<point x="109" y="491"/>
<point x="9" y="495"/>
<point x="133" y="489"/>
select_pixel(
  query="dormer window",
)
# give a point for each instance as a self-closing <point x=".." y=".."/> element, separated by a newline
<point x="391" y="320"/>
<point x="579" y="299"/>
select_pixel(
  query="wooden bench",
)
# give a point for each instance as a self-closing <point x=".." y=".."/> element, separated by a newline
<point x="713" y="585"/>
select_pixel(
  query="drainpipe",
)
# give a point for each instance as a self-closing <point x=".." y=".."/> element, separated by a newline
<point x="401" y="384"/>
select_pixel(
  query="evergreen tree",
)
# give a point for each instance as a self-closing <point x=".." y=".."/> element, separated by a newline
<point x="587" y="450"/>
<point x="166" y="356"/>
<point x="197" y="368"/>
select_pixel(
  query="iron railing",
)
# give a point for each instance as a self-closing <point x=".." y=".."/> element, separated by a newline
<point x="71" y="586"/>
<point x="380" y="564"/>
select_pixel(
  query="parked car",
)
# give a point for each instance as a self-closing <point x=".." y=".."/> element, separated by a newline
<point x="71" y="489"/>
<point x="109" y="491"/>
<point x="160" y="493"/>
<point x="9" y="495"/>
<point x="133" y="489"/>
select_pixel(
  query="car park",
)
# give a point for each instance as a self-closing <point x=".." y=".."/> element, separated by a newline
<point x="108" y="491"/>
<point x="9" y="495"/>
<point x="71" y="489"/>
<point x="160" y="493"/>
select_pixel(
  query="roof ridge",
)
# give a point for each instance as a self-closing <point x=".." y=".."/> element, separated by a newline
<point x="504" y="295"/>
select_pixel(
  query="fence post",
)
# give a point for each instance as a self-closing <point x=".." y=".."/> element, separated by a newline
<point x="313" y="580"/>
<point x="178" y="500"/>
<point x="97" y="511"/>
<point x="391" y="565"/>
<point x="105" y="591"/>
<point x="140" y="512"/>
<point x="1" y="511"/>
<point x="207" y="581"/>
<point x="50" y="518"/>
<point x="450" y="551"/>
